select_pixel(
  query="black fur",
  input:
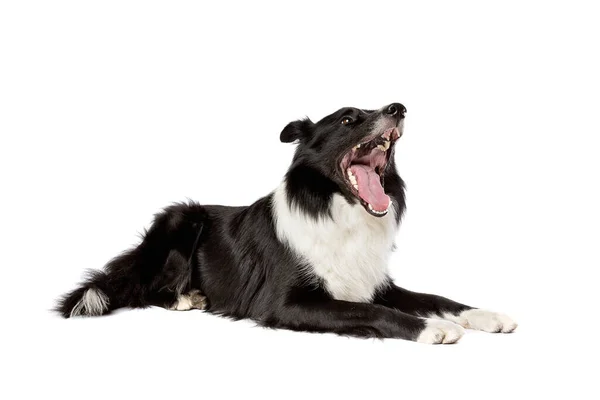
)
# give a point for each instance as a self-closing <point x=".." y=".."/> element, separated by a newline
<point x="154" y="272"/>
<point x="234" y="257"/>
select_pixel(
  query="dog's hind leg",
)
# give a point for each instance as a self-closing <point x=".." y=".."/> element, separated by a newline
<point x="160" y="271"/>
<point x="193" y="300"/>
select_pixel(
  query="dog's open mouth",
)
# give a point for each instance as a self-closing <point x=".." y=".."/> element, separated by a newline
<point x="363" y="170"/>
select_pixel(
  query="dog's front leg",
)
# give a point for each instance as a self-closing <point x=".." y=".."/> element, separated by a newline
<point x="364" y="320"/>
<point x="431" y="306"/>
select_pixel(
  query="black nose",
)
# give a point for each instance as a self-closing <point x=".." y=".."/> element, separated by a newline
<point x="396" y="109"/>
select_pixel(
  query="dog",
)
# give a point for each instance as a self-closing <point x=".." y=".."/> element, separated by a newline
<point x="311" y="256"/>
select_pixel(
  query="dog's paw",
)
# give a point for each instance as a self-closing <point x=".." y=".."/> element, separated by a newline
<point x="192" y="300"/>
<point x="198" y="300"/>
<point x="487" y="321"/>
<point x="438" y="331"/>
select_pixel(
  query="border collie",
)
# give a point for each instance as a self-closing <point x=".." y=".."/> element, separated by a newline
<point x="311" y="256"/>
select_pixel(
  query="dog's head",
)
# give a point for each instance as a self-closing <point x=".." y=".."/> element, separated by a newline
<point x="353" y="148"/>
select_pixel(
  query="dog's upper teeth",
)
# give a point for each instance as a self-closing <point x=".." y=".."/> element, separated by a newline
<point x="385" y="146"/>
<point x="356" y="147"/>
<point x="355" y="185"/>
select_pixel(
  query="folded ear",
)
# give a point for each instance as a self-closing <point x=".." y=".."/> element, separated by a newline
<point x="297" y="131"/>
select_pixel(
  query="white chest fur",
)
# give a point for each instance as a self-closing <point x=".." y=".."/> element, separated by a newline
<point x="349" y="251"/>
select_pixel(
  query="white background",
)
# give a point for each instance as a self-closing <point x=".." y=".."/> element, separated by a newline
<point x="111" y="110"/>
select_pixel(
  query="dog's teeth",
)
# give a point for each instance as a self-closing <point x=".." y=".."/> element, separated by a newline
<point x="382" y="148"/>
<point x="352" y="179"/>
<point x="387" y="145"/>
<point x="378" y="212"/>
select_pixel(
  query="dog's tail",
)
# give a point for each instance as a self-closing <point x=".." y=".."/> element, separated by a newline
<point x="118" y="285"/>
<point x="155" y="272"/>
<point x="91" y="298"/>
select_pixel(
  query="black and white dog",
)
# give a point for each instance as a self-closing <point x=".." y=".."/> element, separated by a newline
<point x="311" y="256"/>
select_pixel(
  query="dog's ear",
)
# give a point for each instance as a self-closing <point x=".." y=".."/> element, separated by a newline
<point x="297" y="131"/>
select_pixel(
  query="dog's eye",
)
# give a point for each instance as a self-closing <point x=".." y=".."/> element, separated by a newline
<point x="347" y="120"/>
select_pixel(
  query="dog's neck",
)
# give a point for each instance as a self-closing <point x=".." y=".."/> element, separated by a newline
<point x="344" y="246"/>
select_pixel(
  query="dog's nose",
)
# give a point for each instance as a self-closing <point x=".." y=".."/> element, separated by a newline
<point x="396" y="110"/>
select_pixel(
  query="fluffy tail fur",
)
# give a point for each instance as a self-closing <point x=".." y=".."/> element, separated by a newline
<point x="155" y="272"/>
<point x="91" y="298"/>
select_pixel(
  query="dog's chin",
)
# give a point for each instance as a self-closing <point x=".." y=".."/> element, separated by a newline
<point x="363" y="169"/>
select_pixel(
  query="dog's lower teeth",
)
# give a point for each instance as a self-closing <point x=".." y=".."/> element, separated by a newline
<point x="352" y="179"/>
<point x="377" y="212"/>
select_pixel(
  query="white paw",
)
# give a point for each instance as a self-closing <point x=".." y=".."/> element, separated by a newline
<point x="189" y="301"/>
<point x="183" y="303"/>
<point x="438" y="331"/>
<point x="483" y="320"/>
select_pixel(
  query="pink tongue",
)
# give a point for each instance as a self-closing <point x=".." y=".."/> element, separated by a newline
<point x="369" y="187"/>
